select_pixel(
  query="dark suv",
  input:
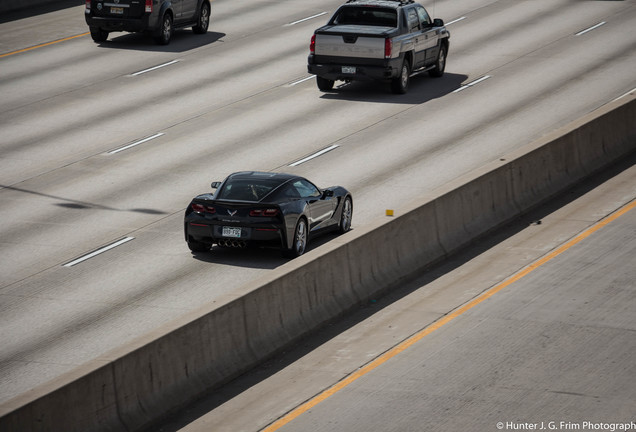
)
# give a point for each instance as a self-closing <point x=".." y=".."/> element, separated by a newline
<point x="156" y="17"/>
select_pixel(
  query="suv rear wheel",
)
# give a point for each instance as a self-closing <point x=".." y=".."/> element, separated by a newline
<point x="204" y="19"/>
<point x="165" y="31"/>
<point x="98" y="34"/>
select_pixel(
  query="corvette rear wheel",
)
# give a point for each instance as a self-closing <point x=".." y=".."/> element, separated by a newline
<point x="345" y="217"/>
<point x="300" y="239"/>
<point x="196" y="246"/>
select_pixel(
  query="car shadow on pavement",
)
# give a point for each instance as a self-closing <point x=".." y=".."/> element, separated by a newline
<point x="421" y="89"/>
<point x="267" y="258"/>
<point x="182" y="40"/>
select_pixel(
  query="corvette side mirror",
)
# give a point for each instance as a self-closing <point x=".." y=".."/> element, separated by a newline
<point x="215" y="185"/>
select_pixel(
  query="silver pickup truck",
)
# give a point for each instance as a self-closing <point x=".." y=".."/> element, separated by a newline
<point x="387" y="40"/>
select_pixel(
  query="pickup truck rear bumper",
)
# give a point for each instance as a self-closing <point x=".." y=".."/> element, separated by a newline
<point x="355" y="72"/>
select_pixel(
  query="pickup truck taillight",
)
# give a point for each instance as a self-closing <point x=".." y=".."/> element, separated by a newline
<point x="88" y="7"/>
<point x="312" y="45"/>
<point x="388" y="48"/>
<point x="148" y="6"/>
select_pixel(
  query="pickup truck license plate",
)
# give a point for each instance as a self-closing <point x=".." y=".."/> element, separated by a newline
<point x="231" y="232"/>
<point x="117" y="10"/>
<point x="348" y="69"/>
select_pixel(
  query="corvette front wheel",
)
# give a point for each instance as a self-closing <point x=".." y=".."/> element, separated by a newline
<point x="346" y="216"/>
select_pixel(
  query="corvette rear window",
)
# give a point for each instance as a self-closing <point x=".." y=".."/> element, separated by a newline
<point x="366" y="16"/>
<point x="247" y="189"/>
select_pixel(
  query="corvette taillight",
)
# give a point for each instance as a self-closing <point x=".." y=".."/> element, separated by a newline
<point x="264" y="212"/>
<point x="148" y="6"/>
<point x="312" y="45"/>
<point x="199" y="208"/>
<point x="388" y="48"/>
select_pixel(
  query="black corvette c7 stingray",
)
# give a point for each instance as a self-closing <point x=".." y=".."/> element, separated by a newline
<point x="264" y="208"/>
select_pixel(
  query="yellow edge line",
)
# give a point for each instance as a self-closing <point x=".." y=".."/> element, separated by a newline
<point x="441" y="322"/>
<point x="42" y="45"/>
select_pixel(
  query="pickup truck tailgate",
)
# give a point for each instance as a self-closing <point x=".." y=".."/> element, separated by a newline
<point x="350" y="41"/>
<point x="362" y="47"/>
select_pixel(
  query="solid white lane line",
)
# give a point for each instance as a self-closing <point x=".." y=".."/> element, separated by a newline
<point x="98" y="251"/>
<point x="470" y="84"/>
<point x="136" y="143"/>
<point x="590" y="29"/>
<point x="155" y="68"/>
<point x="307" y="19"/>
<point x="315" y="155"/>
<point x="454" y="21"/>
<point x="300" y="81"/>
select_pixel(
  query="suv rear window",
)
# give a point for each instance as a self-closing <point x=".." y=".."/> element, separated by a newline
<point x="366" y="16"/>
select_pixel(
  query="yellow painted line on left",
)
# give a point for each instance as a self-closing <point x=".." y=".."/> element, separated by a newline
<point x="441" y="322"/>
<point x="42" y="45"/>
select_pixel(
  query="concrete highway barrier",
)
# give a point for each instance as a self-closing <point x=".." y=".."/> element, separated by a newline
<point x="138" y="384"/>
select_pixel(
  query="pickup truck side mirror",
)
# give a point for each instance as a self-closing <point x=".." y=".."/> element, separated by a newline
<point x="438" y="22"/>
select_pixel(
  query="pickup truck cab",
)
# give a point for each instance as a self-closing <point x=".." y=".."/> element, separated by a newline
<point x="383" y="40"/>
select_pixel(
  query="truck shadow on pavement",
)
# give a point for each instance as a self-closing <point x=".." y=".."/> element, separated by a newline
<point x="421" y="89"/>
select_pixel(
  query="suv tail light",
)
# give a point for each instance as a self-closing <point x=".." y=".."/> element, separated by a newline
<point x="199" y="208"/>
<point x="388" y="48"/>
<point x="88" y="6"/>
<point x="264" y="212"/>
<point x="148" y="6"/>
<point x="312" y="45"/>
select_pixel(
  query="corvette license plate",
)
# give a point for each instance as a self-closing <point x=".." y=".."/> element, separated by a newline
<point x="231" y="232"/>
<point x="117" y="10"/>
<point x="349" y="69"/>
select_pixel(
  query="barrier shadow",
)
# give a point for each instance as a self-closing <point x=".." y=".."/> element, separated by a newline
<point x="20" y="10"/>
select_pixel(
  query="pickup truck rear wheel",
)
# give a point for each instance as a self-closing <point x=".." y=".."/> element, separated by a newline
<point x="440" y="64"/>
<point x="324" y="84"/>
<point x="203" y="21"/>
<point x="400" y="84"/>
